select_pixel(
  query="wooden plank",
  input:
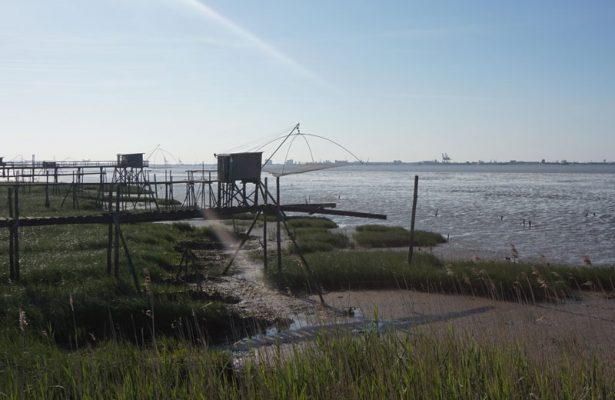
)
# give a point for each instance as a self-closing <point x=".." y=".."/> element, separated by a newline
<point x="177" y="215"/>
<point x="318" y="210"/>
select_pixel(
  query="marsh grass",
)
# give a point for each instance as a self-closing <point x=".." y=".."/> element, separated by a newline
<point x="313" y="234"/>
<point x="32" y="202"/>
<point x="66" y="292"/>
<point x="310" y="222"/>
<point x="312" y="239"/>
<point x="69" y="330"/>
<point x="371" y="366"/>
<point x="339" y="270"/>
<point x="369" y="236"/>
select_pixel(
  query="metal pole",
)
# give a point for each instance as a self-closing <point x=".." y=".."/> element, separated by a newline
<point x="414" y="198"/>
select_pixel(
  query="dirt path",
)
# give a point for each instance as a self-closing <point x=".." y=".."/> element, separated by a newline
<point x="247" y="294"/>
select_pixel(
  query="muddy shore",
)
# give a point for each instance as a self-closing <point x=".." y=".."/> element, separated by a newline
<point x="542" y="329"/>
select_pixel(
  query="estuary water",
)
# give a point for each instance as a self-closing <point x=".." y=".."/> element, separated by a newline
<point x="481" y="208"/>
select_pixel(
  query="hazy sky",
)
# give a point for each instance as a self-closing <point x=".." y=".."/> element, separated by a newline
<point x="407" y="80"/>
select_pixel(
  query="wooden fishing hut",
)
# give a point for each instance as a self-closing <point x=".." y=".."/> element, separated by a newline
<point x="129" y="176"/>
<point x="131" y="160"/>
<point x="239" y="176"/>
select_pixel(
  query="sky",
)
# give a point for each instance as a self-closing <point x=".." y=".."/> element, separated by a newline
<point x="388" y="80"/>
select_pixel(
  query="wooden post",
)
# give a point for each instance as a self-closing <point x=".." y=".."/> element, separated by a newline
<point x="278" y="230"/>
<point x="47" y="204"/>
<point x="155" y="187"/>
<point x="11" y="238"/>
<point x="414" y="198"/>
<point x="131" y="266"/>
<point x="304" y="261"/>
<point x="210" y="190"/>
<point x="55" y="180"/>
<point x="101" y="189"/>
<point x="110" y="230"/>
<point x="166" y="190"/>
<point x="243" y="241"/>
<point x="128" y="190"/>
<point x="116" y="222"/>
<point x="171" y="189"/>
<point x="73" y="190"/>
<point x="16" y="235"/>
<point x="255" y="194"/>
<point x="265" y="260"/>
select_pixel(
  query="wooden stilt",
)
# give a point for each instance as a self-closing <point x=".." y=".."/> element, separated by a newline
<point x="303" y="261"/>
<point x="171" y="190"/>
<point x="243" y="241"/>
<point x="110" y="231"/>
<point x="16" y="236"/>
<point x="131" y="266"/>
<point x="11" y="238"/>
<point x="414" y="199"/>
<point x="278" y="230"/>
<point x="116" y="223"/>
<point x="47" y="204"/>
<point x="265" y="239"/>
<point x="166" y="190"/>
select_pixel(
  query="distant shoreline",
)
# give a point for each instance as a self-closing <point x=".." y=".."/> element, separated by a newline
<point x="339" y="164"/>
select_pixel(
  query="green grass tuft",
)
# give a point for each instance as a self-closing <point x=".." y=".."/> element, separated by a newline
<point x="526" y="283"/>
<point x="369" y="236"/>
<point x="370" y="366"/>
<point x="310" y="222"/>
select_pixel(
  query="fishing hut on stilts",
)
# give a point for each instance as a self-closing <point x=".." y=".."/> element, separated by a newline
<point x="131" y="178"/>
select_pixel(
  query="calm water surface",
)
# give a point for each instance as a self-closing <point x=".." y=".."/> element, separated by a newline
<point x="571" y="208"/>
<point x="480" y="208"/>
